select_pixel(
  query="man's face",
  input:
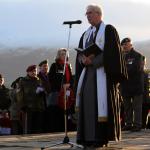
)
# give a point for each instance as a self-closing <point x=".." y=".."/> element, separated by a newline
<point x="1" y="81"/>
<point x="93" y="17"/>
<point x="127" y="46"/>
<point x="44" y="68"/>
<point x="32" y="73"/>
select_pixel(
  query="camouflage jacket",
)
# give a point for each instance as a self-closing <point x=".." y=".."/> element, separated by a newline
<point x="28" y="97"/>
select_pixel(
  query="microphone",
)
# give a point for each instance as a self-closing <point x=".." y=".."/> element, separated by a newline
<point x="72" y="22"/>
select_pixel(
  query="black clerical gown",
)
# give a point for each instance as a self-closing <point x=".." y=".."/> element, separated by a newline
<point x="89" y="130"/>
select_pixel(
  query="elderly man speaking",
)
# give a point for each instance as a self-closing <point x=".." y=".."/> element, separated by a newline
<point x="97" y="78"/>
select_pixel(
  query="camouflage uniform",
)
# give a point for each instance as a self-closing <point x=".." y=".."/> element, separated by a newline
<point x="32" y="104"/>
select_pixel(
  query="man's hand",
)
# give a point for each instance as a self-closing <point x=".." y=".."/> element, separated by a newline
<point x="87" y="60"/>
<point x="66" y="86"/>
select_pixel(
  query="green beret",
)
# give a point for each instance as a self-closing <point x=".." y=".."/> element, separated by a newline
<point x="125" y="40"/>
<point x="43" y="62"/>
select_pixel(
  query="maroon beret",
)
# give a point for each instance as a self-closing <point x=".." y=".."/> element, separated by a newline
<point x="30" y="68"/>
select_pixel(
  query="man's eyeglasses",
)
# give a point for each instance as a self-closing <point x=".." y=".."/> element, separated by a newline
<point x="88" y="13"/>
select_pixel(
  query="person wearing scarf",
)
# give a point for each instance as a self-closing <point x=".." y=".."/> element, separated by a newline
<point x="58" y="80"/>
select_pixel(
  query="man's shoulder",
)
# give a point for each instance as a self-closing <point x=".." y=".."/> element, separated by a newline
<point x="137" y="53"/>
<point x="53" y="64"/>
<point x="110" y="27"/>
<point x="24" y="79"/>
<point x="110" y="30"/>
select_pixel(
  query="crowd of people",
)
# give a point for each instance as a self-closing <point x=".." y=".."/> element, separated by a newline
<point x="35" y="102"/>
<point x="107" y="92"/>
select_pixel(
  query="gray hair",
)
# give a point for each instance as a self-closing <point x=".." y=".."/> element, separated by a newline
<point x="95" y="7"/>
<point x="60" y="51"/>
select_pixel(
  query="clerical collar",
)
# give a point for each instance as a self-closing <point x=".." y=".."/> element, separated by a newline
<point x="95" y="30"/>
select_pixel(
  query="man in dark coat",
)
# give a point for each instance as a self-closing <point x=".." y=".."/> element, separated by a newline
<point x="133" y="88"/>
<point x="97" y="78"/>
<point x="43" y="75"/>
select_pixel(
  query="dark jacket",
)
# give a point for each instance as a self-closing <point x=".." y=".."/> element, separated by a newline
<point x="45" y="82"/>
<point x="135" y="83"/>
<point x="29" y="99"/>
<point x="56" y="76"/>
<point x="5" y="101"/>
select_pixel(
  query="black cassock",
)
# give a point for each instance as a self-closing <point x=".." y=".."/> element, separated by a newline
<point x="115" y="68"/>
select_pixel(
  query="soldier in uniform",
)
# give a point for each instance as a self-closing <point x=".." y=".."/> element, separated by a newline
<point x="133" y="88"/>
<point x="43" y="75"/>
<point x="32" y="101"/>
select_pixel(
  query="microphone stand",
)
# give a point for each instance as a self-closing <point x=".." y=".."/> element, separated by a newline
<point x="66" y="139"/>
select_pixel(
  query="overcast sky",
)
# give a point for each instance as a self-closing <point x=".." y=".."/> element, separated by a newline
<point x="39" y="22"/>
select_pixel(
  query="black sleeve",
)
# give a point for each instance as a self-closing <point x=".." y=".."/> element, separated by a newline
<point x="52" y="72"/>
<point x="55" y="82"/>
<point x="78" y="66"/>
<point x="114" y="62"/>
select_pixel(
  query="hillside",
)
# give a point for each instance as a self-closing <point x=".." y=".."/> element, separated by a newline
<point x="144" y="48"/>
<point x="13" y="62"/>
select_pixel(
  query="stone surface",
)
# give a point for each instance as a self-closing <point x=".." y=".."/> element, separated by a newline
<point x="130" y="141"/>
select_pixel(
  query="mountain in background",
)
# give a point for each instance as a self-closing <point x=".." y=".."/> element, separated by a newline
<point x="13" y="62"/>
<point x="144" y="48"/>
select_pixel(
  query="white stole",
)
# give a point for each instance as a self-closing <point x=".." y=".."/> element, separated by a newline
<point x="101" y="75"/>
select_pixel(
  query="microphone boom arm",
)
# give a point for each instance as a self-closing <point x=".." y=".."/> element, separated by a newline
<point x="72" y="22"/>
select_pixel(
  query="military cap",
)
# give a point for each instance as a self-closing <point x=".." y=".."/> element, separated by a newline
<point x="125" y="40"/>
<point x="30" y="68"/>
<point x="43" y="62"/>
<point x="1" y="76"/>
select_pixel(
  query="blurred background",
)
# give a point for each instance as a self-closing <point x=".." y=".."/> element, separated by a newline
<point x="33" y="30"/>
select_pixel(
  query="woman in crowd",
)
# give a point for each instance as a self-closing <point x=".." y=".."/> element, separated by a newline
<point x="58" y="80"/>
